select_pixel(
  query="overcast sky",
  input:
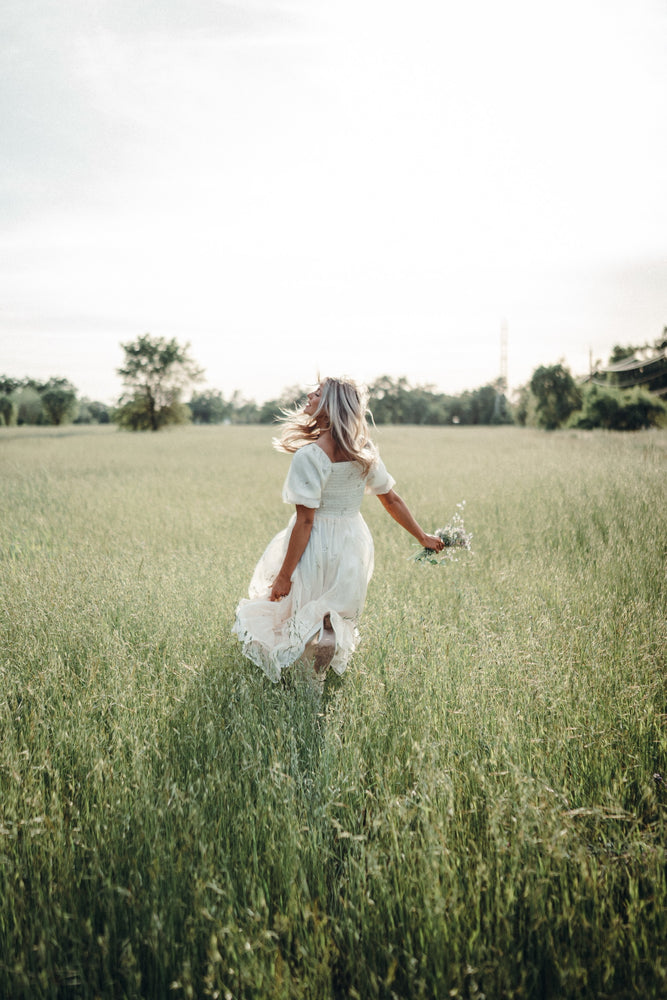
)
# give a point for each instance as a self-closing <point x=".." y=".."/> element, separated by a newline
<point x="357" y="187"/>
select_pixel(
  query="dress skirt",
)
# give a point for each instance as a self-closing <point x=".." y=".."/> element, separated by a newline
<point x="331" y="578"/>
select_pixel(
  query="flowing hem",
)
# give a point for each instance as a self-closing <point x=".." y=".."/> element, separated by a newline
<point x="273" y="659"/>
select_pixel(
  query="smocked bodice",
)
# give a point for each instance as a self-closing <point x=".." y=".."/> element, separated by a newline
<point x="343" y="491"/>
<point x="334" y="489"/>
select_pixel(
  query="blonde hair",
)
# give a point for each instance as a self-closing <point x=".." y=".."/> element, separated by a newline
<point x="342" y="411"/>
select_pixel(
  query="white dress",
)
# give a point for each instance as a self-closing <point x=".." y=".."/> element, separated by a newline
<point x="330" y="578"/>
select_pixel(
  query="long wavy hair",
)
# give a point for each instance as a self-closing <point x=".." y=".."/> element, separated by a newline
<point x="342" y="411"/>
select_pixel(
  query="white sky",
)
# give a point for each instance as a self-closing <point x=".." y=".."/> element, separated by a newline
<point x="359" y="187"/>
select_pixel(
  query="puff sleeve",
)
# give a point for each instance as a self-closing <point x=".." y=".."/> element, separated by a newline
<point x="307" y="475"/>
<point x="379" y="481"/>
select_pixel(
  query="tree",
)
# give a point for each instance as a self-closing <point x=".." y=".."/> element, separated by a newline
<point x="209" y="407"/>
<point x="621" y="353"/>
<point x="556" y="395"/>
<point x="92" y="412"/>
<point x="600" y="408"/>
<point x="8" y="411"/>
<point x="616" y="410"/>
<point x="485" y="405"/>
<point x="243" y="411"/>
<point x="60" y="404"/>
<point x="641" y="410"/>
<point x="8" y="385"/>
<point x="29" y="404"/>
<point x="155" y="373"/>
<point x="387" y="399"/>
<point x="273" y="409"/>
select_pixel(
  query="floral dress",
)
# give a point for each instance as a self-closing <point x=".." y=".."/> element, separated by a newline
<point x="330" y="578"/>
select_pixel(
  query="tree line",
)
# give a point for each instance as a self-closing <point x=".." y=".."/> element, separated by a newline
<point x="156" y="374"/>
<point x="392" y="401"/>
<point x="54" y="402"/>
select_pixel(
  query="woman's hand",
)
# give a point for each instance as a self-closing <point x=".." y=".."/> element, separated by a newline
<point x="301" y="530"/>
<point x="281" y="587"/>
<point x="433" y="542"/>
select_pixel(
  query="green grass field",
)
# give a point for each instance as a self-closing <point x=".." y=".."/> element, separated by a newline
<point x="476" y="809"/>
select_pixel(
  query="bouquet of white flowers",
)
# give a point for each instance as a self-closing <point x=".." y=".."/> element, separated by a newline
<point x="453" y="535"/>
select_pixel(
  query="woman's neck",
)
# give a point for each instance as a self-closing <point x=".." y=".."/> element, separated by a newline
<point x="332" y="450"/>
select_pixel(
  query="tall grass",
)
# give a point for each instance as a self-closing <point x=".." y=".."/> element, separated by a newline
<point x="477" y="808"/>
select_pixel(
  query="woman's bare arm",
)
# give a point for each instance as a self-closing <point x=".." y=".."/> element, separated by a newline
<point x="397" y="508"/>
<point x="295" y="549"/>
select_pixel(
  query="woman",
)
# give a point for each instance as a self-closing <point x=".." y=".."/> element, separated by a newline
<point x="309" y="587"/>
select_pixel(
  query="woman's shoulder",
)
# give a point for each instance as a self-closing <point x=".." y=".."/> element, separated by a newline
<point x="379" y="479"/>
<point x="311" y="454"/>
<point x="310" y="448"/>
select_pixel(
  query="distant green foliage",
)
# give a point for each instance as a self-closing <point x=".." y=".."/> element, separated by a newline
<point x="209" y="407"/>
<point x="394" y="401"/>
<point x="524" y="407"/>
<point x="273" y="409"/>
<point x="29" y="405"/>
<point x="155" y="373"/>
<point x="8" y="385"/>
<point x="612" y="409"/>
<point x="135" y="415"/>
<point x="556" y="395"/>
<point x="92" y="412"/>
<point x="620" y="352"/>
<point x="60" y="405"/>
<point x="8" y="411"/>
<point x="52" y="402"/>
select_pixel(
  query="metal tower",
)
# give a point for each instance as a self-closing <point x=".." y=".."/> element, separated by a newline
<point x="500" y="403"/>
<point x="503" y="357"/>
